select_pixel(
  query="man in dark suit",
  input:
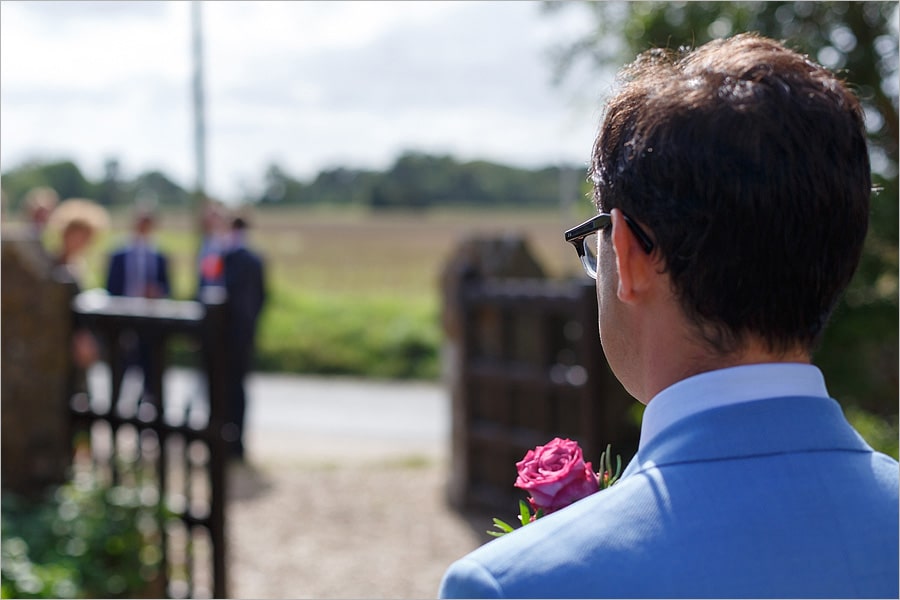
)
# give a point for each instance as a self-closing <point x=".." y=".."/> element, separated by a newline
<point x="732" y="187"/>
<point x="214" y="241"/>
<point x="140" y="270"/>
<point x="246" y="295"/>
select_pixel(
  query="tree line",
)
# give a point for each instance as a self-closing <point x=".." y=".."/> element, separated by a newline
<point x="415" y="181"/>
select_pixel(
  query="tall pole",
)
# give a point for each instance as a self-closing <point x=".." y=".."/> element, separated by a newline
<point x="199" y="195"/>
<point x="217" y="474"/>
<point x="199" y="117"/>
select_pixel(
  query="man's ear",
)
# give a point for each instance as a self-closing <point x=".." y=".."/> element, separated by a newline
<point x="635" y="267"/>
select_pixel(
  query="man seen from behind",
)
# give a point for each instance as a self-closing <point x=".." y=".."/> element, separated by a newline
<point x="732" y="185"/>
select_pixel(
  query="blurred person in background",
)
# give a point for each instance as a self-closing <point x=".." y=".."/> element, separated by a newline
<point x="140" y="270"/>
<point x="40" y="202"/>
<point x="214" y="242"/>
<point x="244" y="278"/>
<point x="77" y="222"/>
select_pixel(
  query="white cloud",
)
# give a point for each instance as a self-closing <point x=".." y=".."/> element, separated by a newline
<point x="309" y="85"/>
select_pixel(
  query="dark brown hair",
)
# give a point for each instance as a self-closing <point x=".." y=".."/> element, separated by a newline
<point x="748" y="164"/>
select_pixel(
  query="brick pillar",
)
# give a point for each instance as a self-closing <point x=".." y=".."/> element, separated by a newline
<point x="35" y="362"/>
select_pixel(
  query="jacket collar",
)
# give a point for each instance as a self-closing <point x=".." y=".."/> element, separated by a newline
<point x="759" y="428"/>
<point x="732" y="385"/>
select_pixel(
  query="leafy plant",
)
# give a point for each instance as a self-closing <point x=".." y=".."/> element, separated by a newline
<point x="85" y="539"/>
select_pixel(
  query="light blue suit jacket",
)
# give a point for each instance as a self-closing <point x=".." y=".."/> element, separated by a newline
<point x="771" y="498"/>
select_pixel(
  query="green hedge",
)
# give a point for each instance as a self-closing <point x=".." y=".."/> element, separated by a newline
<point x="367" y="336"/>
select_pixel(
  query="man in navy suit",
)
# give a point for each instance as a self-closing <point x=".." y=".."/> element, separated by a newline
<point x="140" y="270"/>
<point x="732" y="184"/>
<point x="210" y="259"/>
<point x="244" y="274"/>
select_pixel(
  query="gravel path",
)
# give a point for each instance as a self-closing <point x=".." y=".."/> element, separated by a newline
<point x="304" y="524"/>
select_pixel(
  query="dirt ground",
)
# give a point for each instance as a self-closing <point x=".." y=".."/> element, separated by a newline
<point x="302" y="527"/>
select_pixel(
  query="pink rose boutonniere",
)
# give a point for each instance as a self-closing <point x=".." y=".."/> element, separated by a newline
<point x="556" y="475"/>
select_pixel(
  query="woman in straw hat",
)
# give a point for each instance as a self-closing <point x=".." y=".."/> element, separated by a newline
<point x="78" y="221"/>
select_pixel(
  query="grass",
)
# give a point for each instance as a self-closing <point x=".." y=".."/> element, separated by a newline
<point x="330" y="333"/>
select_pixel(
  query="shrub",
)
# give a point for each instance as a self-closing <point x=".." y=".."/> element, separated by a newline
<point x="84" y="539"/>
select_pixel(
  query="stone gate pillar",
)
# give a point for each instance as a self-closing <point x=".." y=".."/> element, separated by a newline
<point x="35" y="359"/>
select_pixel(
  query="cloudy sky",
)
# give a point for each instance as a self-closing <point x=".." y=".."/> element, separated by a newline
<point x="306" y="85"/>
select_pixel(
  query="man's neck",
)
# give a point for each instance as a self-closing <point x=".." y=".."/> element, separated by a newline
<point x="680" y="355"/>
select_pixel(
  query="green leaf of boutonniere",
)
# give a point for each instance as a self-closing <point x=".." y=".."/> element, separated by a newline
<point x="503" y="526"/>
<point x="524" y="513"/>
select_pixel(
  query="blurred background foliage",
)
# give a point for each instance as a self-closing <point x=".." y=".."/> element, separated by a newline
<point x="83" y="539"/>
<point x="416" y="181"/>
<point x="859" y="41"/>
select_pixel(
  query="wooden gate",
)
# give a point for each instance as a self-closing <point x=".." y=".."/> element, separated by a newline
<point x="528" y="367"/>
<point x="172" y="445"/>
